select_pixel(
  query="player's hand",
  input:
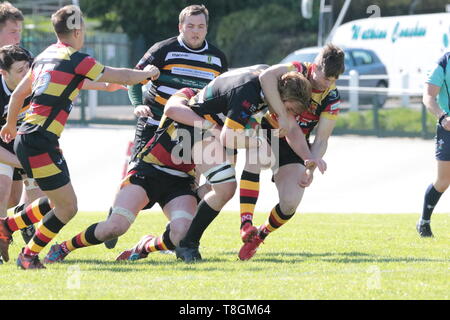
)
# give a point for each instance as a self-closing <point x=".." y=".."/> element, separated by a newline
<point x="8" y="133"/>
<point x="113" y="87"/>
<point x="314" y="163"/>
<point x="153" y="72"/>
<point x="306" y="179"/>
<point x="143" y="111"/>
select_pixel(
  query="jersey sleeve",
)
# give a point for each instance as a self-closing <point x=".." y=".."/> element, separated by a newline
<point x="87" y="66"/>
<point x="331" y="105"/>
<point x="149" y="58"/>
<point x="187" y="93"/>
<point x="436" y="76"/>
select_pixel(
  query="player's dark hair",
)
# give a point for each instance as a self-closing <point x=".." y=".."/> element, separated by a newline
<point x="13" y="53"/>
<point x="193" y="10"/>
<point x="9" y="12"/>
<point x="332" y="61"/>
<point x="67" y="19"/>
<point x="295" y="87"/>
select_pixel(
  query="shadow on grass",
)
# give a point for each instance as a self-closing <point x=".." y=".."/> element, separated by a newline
<point x="340" y="257"/>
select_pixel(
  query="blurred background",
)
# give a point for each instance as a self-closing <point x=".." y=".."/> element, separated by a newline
<point x="389" y="47"/>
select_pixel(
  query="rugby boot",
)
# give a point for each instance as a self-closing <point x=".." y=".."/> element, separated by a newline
<point x="248" y="232"/>
<point x="424" y="229"/>
<point x="56" y="254"/>
<point x="137" y="252"/>
<point x="188" y="252"/>
<point x="27" y="262"/>
<point x="249" y="249"/>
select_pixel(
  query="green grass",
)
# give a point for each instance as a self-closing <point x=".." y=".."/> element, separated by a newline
<point x="314" y="256"/>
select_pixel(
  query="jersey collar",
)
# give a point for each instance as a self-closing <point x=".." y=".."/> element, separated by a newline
<point x="180" y="41"/>
<point x="5" y="87"/>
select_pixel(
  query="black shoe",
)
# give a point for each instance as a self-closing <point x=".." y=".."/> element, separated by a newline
<point x="28" y="233"/>
<point x="188" y="252"/>
<point x="424" y="230"/>
<point x="111" y="244"/>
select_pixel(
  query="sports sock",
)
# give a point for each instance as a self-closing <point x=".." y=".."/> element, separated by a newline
<point x="31" y="215"/>
<point x="84" y="239"/>
<point x="160" y="243"/>
<point x="249" y="192"/>
<point x="276" y="219"/>
<point x="203" y="218"/>
<point x="48" y="228"/>
<point x="432" y="197"/>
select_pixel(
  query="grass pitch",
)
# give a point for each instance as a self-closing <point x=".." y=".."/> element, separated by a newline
<point x="314" y="256"/>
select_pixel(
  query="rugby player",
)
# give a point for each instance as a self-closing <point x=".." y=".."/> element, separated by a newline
<point x="436" y="98"/>
<point x="293" y="177"/>
<point x="54" y="81"/>
<point x="186" y="60"/>
<point x="238" y="95"/>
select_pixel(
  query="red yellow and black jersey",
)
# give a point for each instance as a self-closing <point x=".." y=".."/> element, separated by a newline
<point x="180" y="67"/>
<point x="57" y="75"/>
<point x="160" y="150"/>
<point x="323" y="103"/>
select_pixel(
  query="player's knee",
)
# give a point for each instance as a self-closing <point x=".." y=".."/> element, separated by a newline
<point x="288" y="205"/>
<point x="179" y="224"/>
<point x="119" y="221"/>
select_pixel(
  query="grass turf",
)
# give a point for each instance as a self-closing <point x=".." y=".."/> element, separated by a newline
<point x="314" y="256"/>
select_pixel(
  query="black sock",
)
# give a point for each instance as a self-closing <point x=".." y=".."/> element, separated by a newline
<point x="432" y="197"/>
<point x="203" y="218"/>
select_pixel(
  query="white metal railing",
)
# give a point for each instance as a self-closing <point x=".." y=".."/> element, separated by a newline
<point x="354" y="89"/>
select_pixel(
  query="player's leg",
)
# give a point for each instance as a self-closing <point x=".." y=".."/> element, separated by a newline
<point x="5" y="189"/>
<point x="180" y="211"/>
<point x="16" y="193"/>
<point x="248" y="196"/>
<point x="6" y="173"/>
<point x="220" y="173"/>
<point x="144" y="133"/>
<point x="127" y="204"/>
<point x="432" y="196"/>
<point x="290" y="194"/>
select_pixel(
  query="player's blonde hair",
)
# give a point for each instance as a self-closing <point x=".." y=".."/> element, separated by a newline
<point x="294" y="86"/>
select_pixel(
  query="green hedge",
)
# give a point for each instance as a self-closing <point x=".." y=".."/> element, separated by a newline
<point x="405" y="120"/>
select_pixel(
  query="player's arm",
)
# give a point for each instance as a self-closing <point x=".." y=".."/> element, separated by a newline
<point x="236" y="139"/>
<point x="178" y="110"/>
<point x="297" y="141"/>
<point x="269" y="84"/>
<point x="9" y="159"/>
<point x="22" y="91"/>
<point x="102" y="86"/>
<point x="128" y="76"/>
<point x="323" y="132"/>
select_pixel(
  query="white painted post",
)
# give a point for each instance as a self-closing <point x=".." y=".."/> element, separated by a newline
<point x="92" y="104"/>
<point x="405" y="86"/>
<point x="354" y="94"/>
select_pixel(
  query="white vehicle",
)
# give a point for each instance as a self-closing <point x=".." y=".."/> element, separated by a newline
<point x="405" y="44"/>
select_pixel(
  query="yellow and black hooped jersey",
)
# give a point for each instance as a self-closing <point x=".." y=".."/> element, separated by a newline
<point x="323" y="103"/>
<point x="57" y="75"/>
<point x="235" y="94"/>
<point x="180" y="67"/>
